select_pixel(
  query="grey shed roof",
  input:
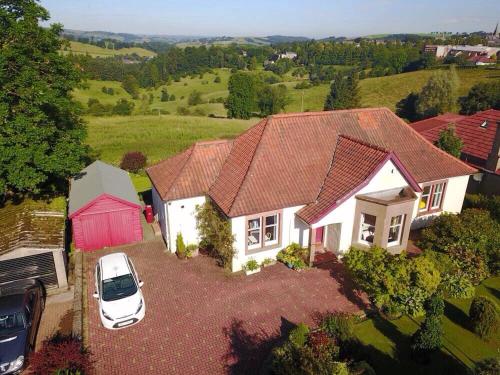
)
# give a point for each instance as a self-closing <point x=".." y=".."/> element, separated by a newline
<point x="97" y="179"/>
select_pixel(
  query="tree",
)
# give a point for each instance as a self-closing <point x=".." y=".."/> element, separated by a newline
<point x="481" y="96"/>
<point x="42" y="137"/>
<point x="439" y="94"/>
<point x="164" y="95"/>
<point x="195" y="98"/>
<point x="131" y="86"/>
<point x="273" y="99"/>
<point x="428" y="338"/>
<point x="483" y="316"/>
<point x="242" y="92"/>
<point x="123" y="107"/>
<point x="407" y="107"/>
<point x="343" y="92"/>
<point x="133" y="161"/>
<point x="144" y="105"/>
<point x="217" y="79"/>
<point x="451" y="143"/>
<point x="252" y="65"/>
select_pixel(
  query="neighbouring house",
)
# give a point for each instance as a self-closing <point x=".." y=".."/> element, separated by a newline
<point x="441" y="51"/>
<point x="103" y="208"/>
<point x="325" y="180"/>
<point x="32" y="245"/>
<point x="481" y="60"/>
<point x="288" y="55"/>
<point x="480" y="134"/>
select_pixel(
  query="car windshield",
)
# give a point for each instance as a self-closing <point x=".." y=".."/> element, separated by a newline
<point x="11" y="323"/>
<point x="118" y="287"/>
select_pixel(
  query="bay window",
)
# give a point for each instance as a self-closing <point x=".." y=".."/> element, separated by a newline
<point x="432" y="197"/>
<point x="263" y="231"/>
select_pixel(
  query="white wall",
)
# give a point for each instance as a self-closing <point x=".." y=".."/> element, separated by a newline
<point x="160" y="211"/>
<point x="181" y="218"/>
<point x="292" y="230"/>
<point x="453" y="201"/>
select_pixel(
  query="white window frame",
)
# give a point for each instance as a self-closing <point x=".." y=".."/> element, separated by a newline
<point x="400" y="230"/>
<point x="428" y="202"/>
<point x="361" y="223"/>
<point x="439" y="194"/>
<point x="259" y="240"/>
<point x="276" y="229"/>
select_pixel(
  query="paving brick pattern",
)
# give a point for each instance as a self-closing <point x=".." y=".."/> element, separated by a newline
<point x="57" y="316"/>
<point x="200" y="320"/>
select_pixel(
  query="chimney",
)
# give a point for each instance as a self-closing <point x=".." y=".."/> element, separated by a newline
<point x="493" y="162"/>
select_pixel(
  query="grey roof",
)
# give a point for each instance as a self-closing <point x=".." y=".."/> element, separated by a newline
<point x="97" y="179"/>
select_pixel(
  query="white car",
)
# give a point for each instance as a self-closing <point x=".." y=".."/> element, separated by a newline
<point x="118" y="290"/>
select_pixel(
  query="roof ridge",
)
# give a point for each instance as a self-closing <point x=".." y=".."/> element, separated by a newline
<point x="324" y="113"/>
<point x="265" y="123"/>
<point x="365" y="143"/>
<point x="328" y="170"/>
<point x="429" y="142"/>
<point x="212" y="142"/>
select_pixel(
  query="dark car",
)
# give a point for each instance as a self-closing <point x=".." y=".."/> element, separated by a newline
<point x="21" y="307"/>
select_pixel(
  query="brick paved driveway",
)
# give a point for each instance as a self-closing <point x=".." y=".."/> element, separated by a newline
<point x="202" y="321"/>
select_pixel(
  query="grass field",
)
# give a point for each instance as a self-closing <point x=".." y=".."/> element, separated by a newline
<point x="156" y="136"/>
<point x="95" y="51"/>
<point x="388" y="341"/>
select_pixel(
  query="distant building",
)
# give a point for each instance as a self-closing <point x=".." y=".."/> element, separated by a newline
<point x="481" y="60"/>
<point x="287" y="55"/>
<point x="494" y="37"/>
<point x="441" y="51"/>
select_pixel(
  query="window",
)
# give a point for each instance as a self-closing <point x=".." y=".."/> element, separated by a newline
<point x="254" y="233"/>
<point x="263" y="231"/>
<point x="271" y="230"/>
<point x="395" y="230"/>
<point x="432" y="197"/>
<point x="367" y="228"/>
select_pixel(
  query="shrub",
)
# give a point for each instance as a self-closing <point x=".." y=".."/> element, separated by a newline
<point x="293" y="256"/>
<point x="298" y="335"/>
<point x="457" y="286"/>
<point x="199" y="112"/>
<point x="164" y="95"/>
<point x="428" y="337"/>
<point x="251" y="265"/>
<point x="183" y="111"/>
<point x="190" y="249"/>
<point x="172" y="98"/>
<point x="133" y="161"/>
<point x="490" y="203"/>
<point x="395" y="283"/>
<point x="180" y="246"/>
<point x="483" y="316"/>
<point x="303" y="85"/>
<point x="61" y="353"/>
<point x="267" y="262"/>
<point x="123" y="107"/>
<point x="490" y="366"/>
<point x="217" y="79"/>
<point x="215" y="232"/>
<point x="339" y="325"/>
<point x="195" y="98"/>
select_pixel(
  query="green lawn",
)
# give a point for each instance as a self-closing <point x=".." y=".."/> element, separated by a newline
<point x="95" y="51"/>
<point x="156" y="136"/>
<point x="388" y="341"/>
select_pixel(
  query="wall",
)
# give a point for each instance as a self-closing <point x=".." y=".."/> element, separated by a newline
<point x="453" y="201"/>
<point x="181" y="218"/>
<point x="160" y="212"/>
<point x="292" y="230"/>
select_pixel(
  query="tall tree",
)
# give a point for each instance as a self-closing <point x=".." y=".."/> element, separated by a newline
<point x="343" y="92"/>
<point x="41" y="134"/>
<point x="272" y="99"/>
<point x="482" y="96"/>
<point x="450" y="142"/>
<point x="131" y="86"/>
<point x="439" y="94"/>
<point x="242" y="93"/>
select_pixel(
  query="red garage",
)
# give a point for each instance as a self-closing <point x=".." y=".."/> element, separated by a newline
<point x="104" y="208"/>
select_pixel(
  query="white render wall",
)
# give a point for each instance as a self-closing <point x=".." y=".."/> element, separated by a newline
<point x="181" y="218"/>
<point x="292" y="230"/>
<point x="160" y="211"/>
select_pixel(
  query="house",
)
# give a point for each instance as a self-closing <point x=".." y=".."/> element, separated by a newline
<point x="481" y="60"/>
<point x="480" y="134"/>
<point x="441" y="51"/>
<point x="32" y="246"/>
<point x="103" y="208"/>
<point x="325" y="180"/>
<point x="287" y="55"/>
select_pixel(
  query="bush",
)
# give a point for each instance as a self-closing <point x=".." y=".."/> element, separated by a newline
<point x="195" y="98"/>
<point x="293" y="256"/>
<point x="483" y="316"/>
<point x="267" y="262"/>
<point x="172" y="98"/>
<point x="180" y="247"/>
<point x="457" y="286"/>
<point x="217" y="79"/>
<point x="303" y="85"/>
<point x="199" y="112"/>
<point x="339" y="325"/>
<point x="215" y="232"/>
<point x="251" y="265"/>
<point x="133" y="161"/>
<point x="298" y="335"/>
<point x="183" y="111"/>
<point x="489" y="203"/>
<point x="428" y="337"/>
<point x="61" y="353"/>
<point x="395" y="283"/>
<point x="490" y="366"/>
<point x="190" y="249"/>
<point x="123" y="107"/>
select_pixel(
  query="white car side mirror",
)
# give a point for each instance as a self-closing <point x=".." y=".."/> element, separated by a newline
<point x="95" y="295"/>
<point x="141" y="283"/>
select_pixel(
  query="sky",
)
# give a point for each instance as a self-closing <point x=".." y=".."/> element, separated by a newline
<point x="310" y="18"/>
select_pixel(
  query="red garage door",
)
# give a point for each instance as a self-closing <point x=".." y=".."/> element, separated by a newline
<point x="107" y="229"/>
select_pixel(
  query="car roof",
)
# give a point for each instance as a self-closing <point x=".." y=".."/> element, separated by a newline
<point x="11" y="304"/>
<point x="114" y="265"/>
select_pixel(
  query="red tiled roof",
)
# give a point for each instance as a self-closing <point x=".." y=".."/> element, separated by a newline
<point x="478" y="141"/>
<point x="433" y="122"/>
<point x="353" y="165"/>
<point x="283" y="160"/>
<point x="190" y="173"/>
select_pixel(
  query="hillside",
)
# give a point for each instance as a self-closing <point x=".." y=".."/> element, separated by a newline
<point x="95" y="51"/>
